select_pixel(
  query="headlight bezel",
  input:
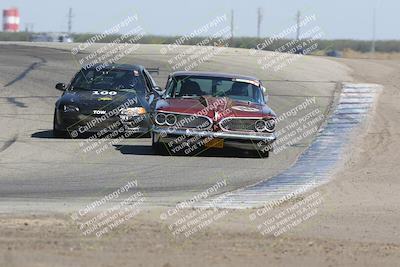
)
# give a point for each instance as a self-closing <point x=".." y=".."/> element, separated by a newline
<point x="165" y="119"/>
<point x="160" y="118"/>
<point x="271" y="128"/>
<point x="261" y="125"/>
<point x="174" y="119"/>
<point x="269" y="125"/>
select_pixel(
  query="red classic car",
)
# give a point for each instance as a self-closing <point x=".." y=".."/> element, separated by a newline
<point x="212" y="110"/>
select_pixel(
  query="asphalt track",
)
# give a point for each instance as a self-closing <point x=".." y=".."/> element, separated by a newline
<point x="39" y="172"/>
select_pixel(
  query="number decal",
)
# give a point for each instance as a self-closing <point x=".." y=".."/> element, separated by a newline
<point x="104" y="92"/>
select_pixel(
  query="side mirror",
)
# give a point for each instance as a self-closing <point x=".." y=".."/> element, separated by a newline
<point x="159" y="90"/>
<point x="264" y="90"/>
<point x="61" y="86"/>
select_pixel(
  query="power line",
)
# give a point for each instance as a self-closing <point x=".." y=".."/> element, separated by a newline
<point x="232" y="26"/>
<point x="259" y="20"/>
<point x="70" y="16"/>
<point x="29" y="27"/>
<point x="373" y="31"/>
<point x="298" y="18"/>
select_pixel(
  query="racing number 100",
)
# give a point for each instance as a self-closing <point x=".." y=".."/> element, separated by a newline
<point x="104" y="92"/>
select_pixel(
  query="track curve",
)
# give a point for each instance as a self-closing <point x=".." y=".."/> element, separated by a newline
<point x="39" y="172"/>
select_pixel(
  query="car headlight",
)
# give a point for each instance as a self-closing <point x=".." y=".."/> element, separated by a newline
<point x="265" y="125"/>
<point x="270" y="125"/>
<point x="260" y="126"/>
<point x="161" y="118"/>
<point x="70" y="108"/>
<point x="136" y="111"/>
<point x="166" y="119"/>
<point x="170" y="119"/>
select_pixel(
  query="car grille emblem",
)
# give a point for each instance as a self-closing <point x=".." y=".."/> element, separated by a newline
<point x="216" y="116"/>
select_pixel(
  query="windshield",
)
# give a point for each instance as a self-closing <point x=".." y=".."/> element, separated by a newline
<point x="114" y="79"/>
<point x="189" y="86"/>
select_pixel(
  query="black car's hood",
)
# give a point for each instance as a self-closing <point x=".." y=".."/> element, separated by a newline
<point x="87" y="101"/>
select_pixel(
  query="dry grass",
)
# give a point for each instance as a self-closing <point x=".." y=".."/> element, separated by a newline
<point x="348" y="53"/>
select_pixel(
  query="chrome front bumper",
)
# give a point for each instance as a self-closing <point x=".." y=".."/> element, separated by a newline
<point x="231" y="139"/>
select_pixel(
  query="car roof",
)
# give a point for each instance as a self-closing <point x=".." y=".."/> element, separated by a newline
<point x="119" y="66"/>
<point x="213" y="74"/>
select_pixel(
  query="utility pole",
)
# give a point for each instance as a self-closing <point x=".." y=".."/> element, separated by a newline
<point x="298" y="18"/>
<point x="259" y="20"/>
<point x="232" y="26"/>
<point x="29" y="27"/>
<point x="70" y="16"/>
<point x="373" y="30"/>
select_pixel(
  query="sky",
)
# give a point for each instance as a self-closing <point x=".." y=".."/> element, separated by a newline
<point x="339" y="19"/>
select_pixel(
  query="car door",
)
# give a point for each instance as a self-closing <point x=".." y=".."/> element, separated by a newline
<point x="151" y="95"/>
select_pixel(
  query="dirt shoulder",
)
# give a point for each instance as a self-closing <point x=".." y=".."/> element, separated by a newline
<point x="361" y="203"/>
<point x="356" y="225"/>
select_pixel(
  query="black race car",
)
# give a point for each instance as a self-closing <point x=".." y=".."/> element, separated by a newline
<point x="103" y="99"/>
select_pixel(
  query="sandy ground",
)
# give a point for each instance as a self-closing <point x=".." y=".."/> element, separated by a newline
<point x="356" y="225"/>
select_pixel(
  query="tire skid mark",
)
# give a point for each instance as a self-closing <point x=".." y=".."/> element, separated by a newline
<point x="17" y="103"/>
<point x="319" y="161"/>
<point x="31" y="67"/>
<point x="8" y="143"/>
<point x="35" y="96"/>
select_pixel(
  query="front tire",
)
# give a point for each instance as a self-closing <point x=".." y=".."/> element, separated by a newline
<point x="57" y="133"/>
<point x="261" y="154"/>
<point x="265" y="154"/>
<point x="158" y="148"/>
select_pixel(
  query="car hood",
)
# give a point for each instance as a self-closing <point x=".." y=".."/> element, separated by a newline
<point x="87" y="101"/>
<point x="220" y="107"/>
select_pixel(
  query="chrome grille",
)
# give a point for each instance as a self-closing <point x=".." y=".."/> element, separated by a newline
<point x="238" y="125"/>
<point x="189" y="121"/>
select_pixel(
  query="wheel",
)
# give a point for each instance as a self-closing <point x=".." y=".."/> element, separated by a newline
<point x="147" y="135"/>
<point x="264" y="154"/>
<point x="158" y="148"/>
<point x="261" y="154"/>
<point x="57" y="133"/>
<point x="60" y="134"/>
